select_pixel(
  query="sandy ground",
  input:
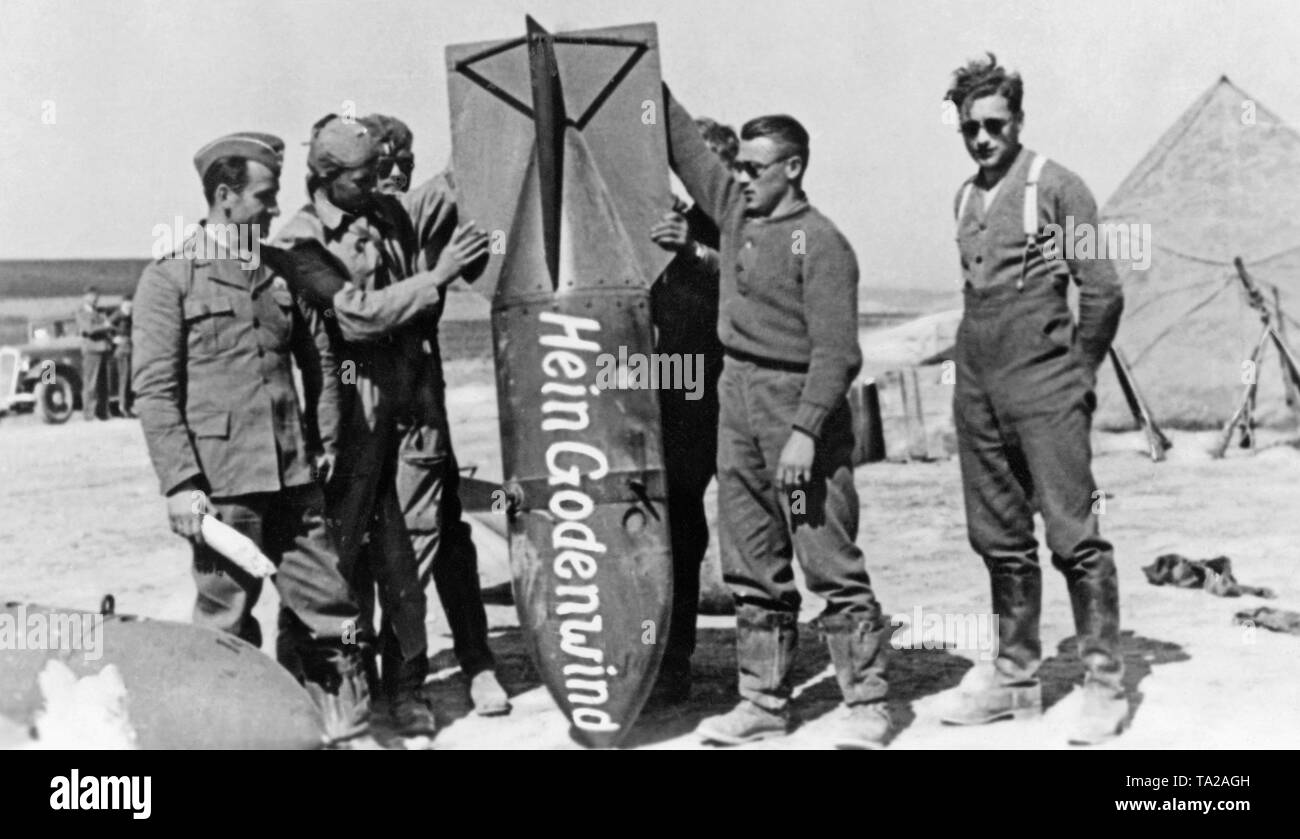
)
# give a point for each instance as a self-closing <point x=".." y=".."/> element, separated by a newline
<point x="80" y="517"/>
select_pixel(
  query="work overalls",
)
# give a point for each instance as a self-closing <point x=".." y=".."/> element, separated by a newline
<point x="1023" y="408"/>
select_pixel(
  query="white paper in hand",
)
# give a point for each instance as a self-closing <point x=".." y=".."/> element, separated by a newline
<point x="236" y="547"/>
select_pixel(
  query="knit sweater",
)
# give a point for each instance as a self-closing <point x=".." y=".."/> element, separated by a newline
<point x="788" y="290"/>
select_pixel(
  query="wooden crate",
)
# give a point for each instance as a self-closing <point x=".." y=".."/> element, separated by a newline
<point x="905" y="415"/>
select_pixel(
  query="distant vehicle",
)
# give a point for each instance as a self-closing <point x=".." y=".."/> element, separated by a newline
<point x="45" y="373"/>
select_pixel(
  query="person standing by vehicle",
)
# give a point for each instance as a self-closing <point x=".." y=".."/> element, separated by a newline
<point x="96" y="344"/>
<point x="121" y="323"/>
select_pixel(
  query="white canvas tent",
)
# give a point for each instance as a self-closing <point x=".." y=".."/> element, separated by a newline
<point x="1223" y="181"/>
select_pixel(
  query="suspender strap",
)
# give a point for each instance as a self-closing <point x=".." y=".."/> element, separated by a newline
<point x="965" y="196"/>
<point x="1030" y="216"/>
<point x="961" y="207"/>
<point x="1031" y="196"/>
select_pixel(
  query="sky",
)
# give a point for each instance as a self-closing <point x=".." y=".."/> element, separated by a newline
<point x="102" y="105"/>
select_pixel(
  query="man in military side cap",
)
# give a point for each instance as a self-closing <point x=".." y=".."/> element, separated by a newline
<point x="398" y="259"/>
<point x="213" y="336"/>
<point x="428" y="475"/>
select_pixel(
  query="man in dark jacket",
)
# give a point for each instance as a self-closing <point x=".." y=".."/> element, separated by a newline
<point x="684" y="309"/>
<point x="428" y="474"/>
<point x="388" y="367"/>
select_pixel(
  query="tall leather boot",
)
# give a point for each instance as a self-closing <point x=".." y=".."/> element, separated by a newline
<point x="766" y="642"/>
<point x="858" y="646"/>
<point x="1104" y="708"/>
<point x="1011" y="690"/>
<point x="1018" y="603"/>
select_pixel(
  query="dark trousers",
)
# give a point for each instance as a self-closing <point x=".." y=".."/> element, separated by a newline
<point x="428" y="491"/>
<point x="690" y="435"/>
<point x="123" y="362"/>
<point x="289" y="527"/>
<point x="94" y="384"/>
<point x="376" y="555"/>
<point x="1023" y="410"/>
<point x="762" y="526"/>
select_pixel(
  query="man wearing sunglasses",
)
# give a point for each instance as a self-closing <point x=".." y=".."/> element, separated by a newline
<point x="1023" y="408"/>
<point x="788" y="324"/>
<point x="427" y="473"/>
<point x="397" y="162"/>
<point x="380" y="320"/>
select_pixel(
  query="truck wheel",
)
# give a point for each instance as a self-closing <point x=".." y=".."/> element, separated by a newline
<point x="54" y="400"/>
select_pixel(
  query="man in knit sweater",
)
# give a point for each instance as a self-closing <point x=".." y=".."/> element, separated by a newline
<point x="788" y="323"/>
<point x="1023" y="407"/>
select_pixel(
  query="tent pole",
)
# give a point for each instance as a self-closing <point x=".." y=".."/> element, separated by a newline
<point x="1287" y="381"/>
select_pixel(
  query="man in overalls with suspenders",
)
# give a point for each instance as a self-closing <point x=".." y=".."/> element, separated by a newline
<point x="1023" y="407"/>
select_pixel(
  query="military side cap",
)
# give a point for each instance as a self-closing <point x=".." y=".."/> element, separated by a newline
<point x="266" y="149"/>
<point x="338" y="144"/>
